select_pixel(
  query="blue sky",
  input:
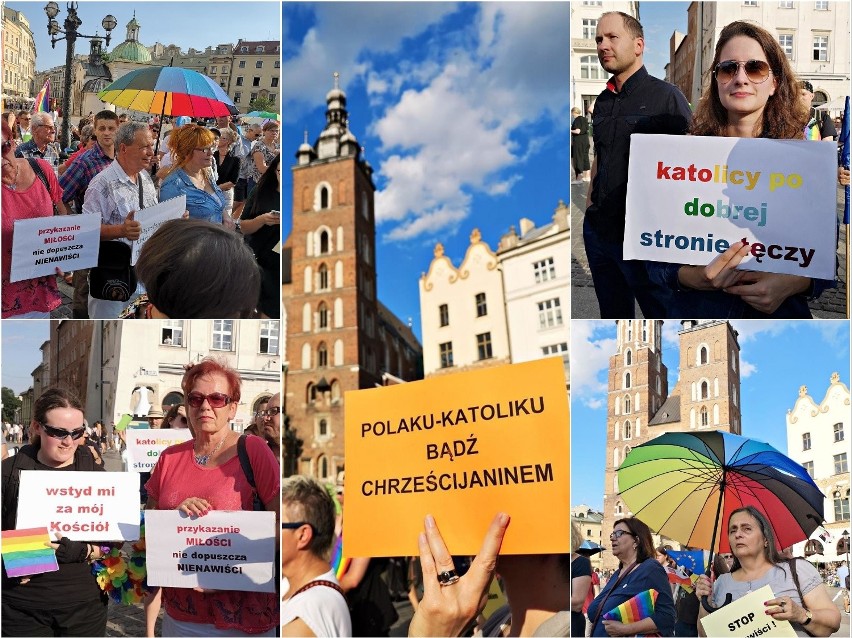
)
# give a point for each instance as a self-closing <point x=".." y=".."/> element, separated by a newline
<point x="462" y="110"/>
<point x="20" y="352"/>
<point x="659" y="20"/>
<point x="167" y="22"/>
<point x="776" y="358"/>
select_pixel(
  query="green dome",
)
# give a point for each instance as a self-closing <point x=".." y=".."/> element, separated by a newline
<point x="130" y="51"/>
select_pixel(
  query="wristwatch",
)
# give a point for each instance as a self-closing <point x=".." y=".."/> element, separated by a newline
<point x="810" y="618"/>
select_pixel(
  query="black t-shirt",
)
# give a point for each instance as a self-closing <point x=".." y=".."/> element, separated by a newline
<point x="580" y="566"/>
<point x="73" y="583"/>
<point x="264" y="239"/>
<point x="826" y="126"/>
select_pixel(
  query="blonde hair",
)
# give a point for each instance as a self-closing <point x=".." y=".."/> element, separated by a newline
<point x="184" y="140"/>
<point x="576" y="536"/>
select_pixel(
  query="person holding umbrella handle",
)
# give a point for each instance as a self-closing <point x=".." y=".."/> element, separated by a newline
<point x="800" y="595"/>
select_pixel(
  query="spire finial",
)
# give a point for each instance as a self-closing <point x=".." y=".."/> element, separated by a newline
<point x="306" y="135"/>
<point x="336" y="80"/>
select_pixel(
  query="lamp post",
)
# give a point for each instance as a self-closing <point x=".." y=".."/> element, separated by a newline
<point x="71" y="24"/>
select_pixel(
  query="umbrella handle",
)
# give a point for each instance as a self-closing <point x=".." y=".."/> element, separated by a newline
<point x="710" y="609"/>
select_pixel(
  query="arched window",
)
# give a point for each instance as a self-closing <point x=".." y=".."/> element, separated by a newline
<point x="705" y="420"/>
<point x="705" y="390"/>
<point x="325" y="242"/>
<point x="627" y="449"/>
<point x="322" y="273"/>
<point x="644" y="330"/>
<point x="627" y="404"/>
<point x="628" y="358"/>
<point x="311" y="393"/>
<point x="322" y="313"/>
<point x="628" y="431"/>
<point x="323" y="198"/>
<point x="618" y="508"/>
<point x="323" y="468"/>
<point x="702" y="356"/>
<point x="630" y="330"/>
<point x="322" y="427"/>
<point x="626" y="379"/>
<point x="322" y="355"/>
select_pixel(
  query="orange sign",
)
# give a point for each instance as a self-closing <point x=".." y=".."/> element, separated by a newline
<point x="461" y="447"/>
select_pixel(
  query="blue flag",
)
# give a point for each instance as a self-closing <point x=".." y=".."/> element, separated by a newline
<point x="692" y="560"/>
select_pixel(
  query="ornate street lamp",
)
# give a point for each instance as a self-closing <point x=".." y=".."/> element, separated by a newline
<point x="71" y="24"/>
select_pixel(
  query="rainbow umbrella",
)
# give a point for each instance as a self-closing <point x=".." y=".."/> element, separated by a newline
<point x="684" y="485"/>
<point x="168" y="90"/>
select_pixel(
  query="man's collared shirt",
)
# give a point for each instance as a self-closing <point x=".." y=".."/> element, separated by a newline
<point x="645" y="104"/>
<point x="30" y="150"/>
<point x="112" y="195"/>
<point x="80" y="173"/>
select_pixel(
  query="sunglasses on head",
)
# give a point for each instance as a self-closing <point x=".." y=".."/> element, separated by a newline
<point x="756" y="70"/>
<point x="216" y="399"/>
<point x="59" y="433"/>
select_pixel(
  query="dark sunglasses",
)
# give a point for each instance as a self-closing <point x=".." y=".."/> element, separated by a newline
<point x="216" y="399"/>
<point x="297" y="525"/>
<point x="756" y="70"/>
<point x="7" y="145"/>
<point x="59" y="433"/>
<point x="270" y="412"/>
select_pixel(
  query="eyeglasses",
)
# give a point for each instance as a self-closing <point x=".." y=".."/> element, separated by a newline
<point x="727" y="556"/>
<point x="297" y="525"/>
<point x="756" y="70"/>
<point x="216" y="399"/>
<point x="206" y="150"/>
<point x="271" y="412"/>
<point x="59" y="433"/>
<point x="619" y="533"/>
<point x="7" y="145"/>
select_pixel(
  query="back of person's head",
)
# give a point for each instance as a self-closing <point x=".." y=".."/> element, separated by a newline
<point x="576" y="539"/>
<point x="304" y="499"/>
<point x="194" y="269"/>
<point x="184" y="140"/>
<point x="784" y="115"/>
<point x="106" y="114"/>
<point x="642" y="533"/>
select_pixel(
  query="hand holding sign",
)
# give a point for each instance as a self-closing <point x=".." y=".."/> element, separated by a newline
<point x="746" y="617"/>
<point x="131" y="229"/>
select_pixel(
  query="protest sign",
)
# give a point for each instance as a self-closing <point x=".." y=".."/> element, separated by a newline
<point x="746" y="617"/>
<point x="153" y="217"/>
<point x="461" y="447"/>
<point x="691" y="198"/>
<point x="83" y="506"/>
<point x="220" y="550"/>
<point x="144" y="446"/>
<point x="27" y="552"/>
<point x="43" y="244"/>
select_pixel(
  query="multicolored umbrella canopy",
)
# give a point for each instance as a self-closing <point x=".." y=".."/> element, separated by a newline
<point x="169" y="90"/>
<point x="684" y="485"/>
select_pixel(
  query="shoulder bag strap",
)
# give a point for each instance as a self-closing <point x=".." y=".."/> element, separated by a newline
<point x="323" y="583"/>
<point x="620" y="578"/>
<point x="245" y="463"/>
<point x="43" y="179"/>
<point x="139" y="183"/>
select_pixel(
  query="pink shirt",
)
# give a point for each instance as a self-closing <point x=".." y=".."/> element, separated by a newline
<point x="177" y="477"/>
<point x="30" y="295"/>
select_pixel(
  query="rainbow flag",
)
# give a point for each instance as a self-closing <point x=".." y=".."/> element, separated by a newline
<point x="338" y="563"/>
<point x="812" y="131"/>
<point x="27" y="552"/>
<point x="42" y="101"/>
<point x="639" y="607"/>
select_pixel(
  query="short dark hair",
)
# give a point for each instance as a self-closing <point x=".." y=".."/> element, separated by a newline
<point x="52" y="399"/>
<point x="194" y="269"/>
<point x="642" y="533"/>
<point x="633" y="26"/>
<point x="106" y="114"/>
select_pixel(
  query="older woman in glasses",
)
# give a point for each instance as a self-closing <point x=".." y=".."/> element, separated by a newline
<point x="204" y="474"/>
<point x="753" y="93"/>
<point x="191" y="173"/>
<point x="67" y="602"/>
<point x="638" y="571"/>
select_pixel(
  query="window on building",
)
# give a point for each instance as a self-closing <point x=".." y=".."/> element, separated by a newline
<point x="277" y="64"/>
<point x="705" y="417"/>
<point x="628" y="430"/>
<point x="253" y="97"/>
<point x="592" y="3"/>
<point x="446" y="352"/>
<point x="322" y="428"/>
<point x="840" y="466"/>
<point x="269" y="337"/>
<point x="242" y="63"/>
<point x="323" y="277"/>
<point x="806" y="441"/>
<point x="322" y="313"/>
<point x="809" y="468"/>
<point x="838" y="432"/>
<point x="556" y="348"/>
<point x="749" y="3"/>
<point x="544" y="270"/>
<point x="626" y="380"/>
<point x="237" y="97"/>
<point x="702" y="356"/>
<point x="628" y="358"/>
<point x="841" y="506"/>
<point x="323" y="198"/>
<point x="325" y="242"/>
<point x="223" y="333"/>
<point x="627" y="408"/>
<point x="821" y="5"/>
<point x="705" y="390"/>
<point x="271" y="97"/>
<point x="171" y="332"/>
<point x="590" y="26"/>
<point x="820" y="50"/>
<point x="255" y="81"/>
<point x="786" y="42"/>
<point x="549" y="314"/>
<point x="785" y="4"/>
<point x="322" y="355"/>
<point x="258" y="64"/>
<point x="323" y="468"/>
<point x="590" y="68"/>
<point x="481" y="305"/>
<point x="274" y="82"/>
<point x="239" y="80"/>
<point x="483" y="345"/>
<point x="444" y="314"/>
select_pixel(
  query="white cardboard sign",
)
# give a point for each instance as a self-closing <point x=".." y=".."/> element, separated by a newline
<point x="144" y="446"/>
<point x="220" y="550"/>
<point x="83" y="506"/>
<point x="43" y="244"/>
<point x="746" y="617"/>
<point x="690" y="198"/>
<point x="153" y="217"/>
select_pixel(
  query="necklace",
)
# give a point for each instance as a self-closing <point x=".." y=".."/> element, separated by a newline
<point x="202" y="459"/>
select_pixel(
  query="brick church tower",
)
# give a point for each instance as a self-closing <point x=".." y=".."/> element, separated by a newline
<point x="639" y="407"/>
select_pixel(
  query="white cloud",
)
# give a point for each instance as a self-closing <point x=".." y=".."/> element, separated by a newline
<point x="590" y="362"/>
<point x="747" y="369"/>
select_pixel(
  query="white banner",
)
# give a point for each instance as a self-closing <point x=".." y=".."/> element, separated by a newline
<point x="691" y="198"/>
<point x="220" y="550"/>
<point x="43" y="244"/>
<point x="144" y="446"/>
<point x="153" y="217"/>
<point x="83" y="506"/>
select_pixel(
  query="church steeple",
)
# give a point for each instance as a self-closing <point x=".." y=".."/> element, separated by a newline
<point x="334" y="140"/>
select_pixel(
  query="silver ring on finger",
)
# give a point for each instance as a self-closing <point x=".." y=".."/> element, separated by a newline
<point x="449" y="577"/>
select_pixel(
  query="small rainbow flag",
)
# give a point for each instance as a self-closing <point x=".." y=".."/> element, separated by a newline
<point x="338" y="563"/>
<point x="42" y="101"/>
<point x="639" y="607"/>
<point x="812" y="131"/>
<point x="27" y="552"/>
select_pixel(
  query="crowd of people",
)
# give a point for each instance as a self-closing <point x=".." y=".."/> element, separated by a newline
<point x="231" y="179"/>
<point x="753" y="93"/>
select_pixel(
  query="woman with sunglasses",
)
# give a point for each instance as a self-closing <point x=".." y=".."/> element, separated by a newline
<point x="25" y="197"/>
<point x="638" y="571"/>
<point x="67" y="602"/>
<point x="191" y="173"/>
<point x="205" y="474"/>
<point x="753" y="94"/>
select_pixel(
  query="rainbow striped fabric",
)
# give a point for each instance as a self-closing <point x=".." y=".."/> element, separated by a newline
<point x="42" y="101"/>
<point x="27" y="552"/>
<point x="639" y="607"/>
<point x="338" y="563"/>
